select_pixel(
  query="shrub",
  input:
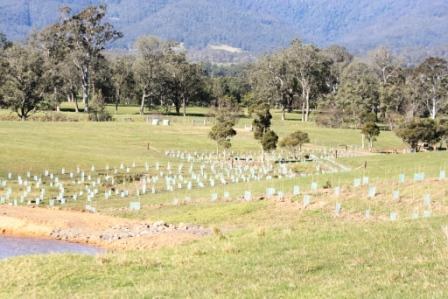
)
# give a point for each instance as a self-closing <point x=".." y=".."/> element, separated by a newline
<point x="97" y="110"/>
<point x="269" y="141"/>
<point x="9" y="117"/>
<point x="53" y="117"/>
<point x="370" y="130"/>
<point x="100" y="116"/>
<point x="329" y="120"/>
<point x="295" y="141"/>
<point x="420" y="132"/>
<point x="44" y="117"/>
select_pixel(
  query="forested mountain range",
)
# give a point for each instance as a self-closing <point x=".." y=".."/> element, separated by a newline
<point x="417" y="27"/>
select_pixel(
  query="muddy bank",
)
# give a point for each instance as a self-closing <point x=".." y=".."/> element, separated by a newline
<point x="104" y="231"/>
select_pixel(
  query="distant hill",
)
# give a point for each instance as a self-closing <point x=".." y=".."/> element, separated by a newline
<point x="256" y="26"/>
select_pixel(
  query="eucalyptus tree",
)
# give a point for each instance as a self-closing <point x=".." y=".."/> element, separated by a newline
<point x="87" y="35"/>
<point x="392" y="84"/>
<point x="287" y="84"/>
<point x="273" y="82"/>
<point x="122" y="77"/>
<point x="263" y="80"/>
<point x="4" y="43"/>
<point x="396" y="98"/>
<point x="186" y="79"/>
<point x="358" y="94"/>
<point x="311" y="69"/>
<point x="235" y="87"/>
<point x="340" y="58"/>
<point x="385" y="64"/>
<point x="432" y="85"/>
<point x="149" y="66"/>
<point x="72" y="82"/>
<point x="103" y="80"/>
<point x="298" y="72"/>
<point x="51" y="41"/>
<point x="24" y="85"/>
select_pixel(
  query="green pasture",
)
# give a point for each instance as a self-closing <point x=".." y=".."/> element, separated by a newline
<point x="309" y="257"/>
<point x="261" y="248"/>
<point x="37" y="146"/>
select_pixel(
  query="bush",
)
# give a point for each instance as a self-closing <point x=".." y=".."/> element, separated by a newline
<point x="43" y="117"/>
<point x="9" y="117"/>
<point x="329" y="120"/>
<point x="421" y="132"/>
<point x="269" y="141"/>
<point x="370" y="130"/>
<point x="53" y="117"/>
<point x="295" y="141"/>
<point x="100" y="116"/>
<point x="97" y="109"/>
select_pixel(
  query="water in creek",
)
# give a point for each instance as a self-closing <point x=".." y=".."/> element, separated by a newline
<point x="12" y="246"/>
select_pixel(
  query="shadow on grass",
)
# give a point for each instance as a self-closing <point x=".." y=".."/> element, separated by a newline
<point x="69" y="109"/>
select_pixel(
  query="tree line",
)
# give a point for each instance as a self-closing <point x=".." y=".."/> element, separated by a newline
<point x="344" y="90"/>
<point x="69" y="61"/>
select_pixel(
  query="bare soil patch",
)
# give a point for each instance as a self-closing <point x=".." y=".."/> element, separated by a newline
<point x="104" y="231"/>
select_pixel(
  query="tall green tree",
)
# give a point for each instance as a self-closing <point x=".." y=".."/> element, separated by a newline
<point x="432" y="85"/>
<point x="87" y="36"/>
<point x="235" y="87"/>
<point x="149" y="66"/>
<point x="269" y="141"/>
<point x="358" y="94"/>
<point x="186" y="80"/>
<point x="123" y="78"/>
<point x="261" y="126"/>
<point x="395" y="99"/>
<point x="4" y="43"/>
<point x="385" y="64"/>
<point x="262" y="120"/>
<point x="71" y="82"/>
<point x="340" y="58"/>
<point x="24" y="83"/>
<point x="370" y="131"/>
<point x="226" y="113"/>
<point x="311" y="68"/>
<point x="393" y="91"/>
<point x="272" y="80"/>
<point x="52" y="43"/>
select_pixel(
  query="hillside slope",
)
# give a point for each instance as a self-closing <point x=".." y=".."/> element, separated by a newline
<point x="255" y="25"/>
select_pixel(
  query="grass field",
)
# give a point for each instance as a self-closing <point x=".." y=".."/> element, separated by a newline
<point x="262" y="248"/>
<point x="39" y="145"/>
